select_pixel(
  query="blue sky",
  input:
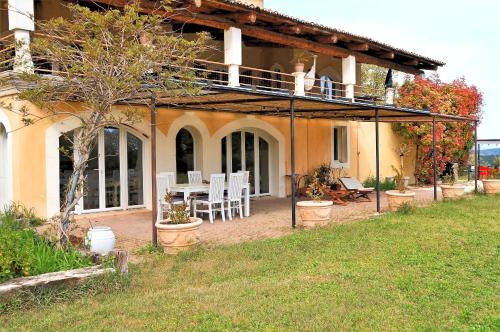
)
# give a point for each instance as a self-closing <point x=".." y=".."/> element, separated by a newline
<point x="464" y="34"/>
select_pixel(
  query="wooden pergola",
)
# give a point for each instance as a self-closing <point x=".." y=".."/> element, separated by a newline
<point x="220" y="98"/>
<point x="262" y="27"/>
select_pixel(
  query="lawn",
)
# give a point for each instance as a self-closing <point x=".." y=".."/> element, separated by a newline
<point x="438" y="268"/>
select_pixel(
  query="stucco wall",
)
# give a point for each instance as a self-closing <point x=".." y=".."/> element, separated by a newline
<point x="31" y="182"/>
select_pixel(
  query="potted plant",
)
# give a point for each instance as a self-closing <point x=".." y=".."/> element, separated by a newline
<point x="315" y="212"/>
<point x="491" y="184"/>
<point x="450" y="189"/>
<point x="178" y="231"/>
<point x="300" y="61"/>
<point x="336" y="175"/>
<point x="400" y="196"/>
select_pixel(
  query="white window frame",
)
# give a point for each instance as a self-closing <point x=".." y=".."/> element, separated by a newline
<point x="229" y="159"/>
<point x="124" y="205"/>
<point x="337" y="163"/>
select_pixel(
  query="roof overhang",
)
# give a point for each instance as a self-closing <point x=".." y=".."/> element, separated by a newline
<point x="269" y="27"/>
<point x="223" y="99"/>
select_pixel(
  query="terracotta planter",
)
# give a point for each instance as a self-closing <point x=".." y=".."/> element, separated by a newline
<point x="175" y="238"/>
<point x="315" y="213"/>
<point x="397" y="198"/>
<point x="491" y="187"/>
<point x="299" y="67"/>
<point x="452" y="191"/>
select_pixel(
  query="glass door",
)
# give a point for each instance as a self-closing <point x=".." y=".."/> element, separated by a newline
<point x="114" y="173"/>
<point x="112" y="183"/>
<point x="246" y="150"/>
<point x="264" y="166"/>
<point x="91" y="200"/>
<point x="250" y="159"/>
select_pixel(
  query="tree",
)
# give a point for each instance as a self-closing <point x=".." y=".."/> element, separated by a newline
<point x="104" y="58"/>
<point x="454" y="139"/>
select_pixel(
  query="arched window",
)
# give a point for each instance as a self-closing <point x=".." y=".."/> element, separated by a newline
<point x="185" y="154"/>
<point x="114" y="173"/>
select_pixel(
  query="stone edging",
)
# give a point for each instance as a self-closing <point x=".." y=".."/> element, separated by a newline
<point x="49" y="279"/>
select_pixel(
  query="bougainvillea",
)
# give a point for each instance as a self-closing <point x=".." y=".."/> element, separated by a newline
<point x="454" y="139"/>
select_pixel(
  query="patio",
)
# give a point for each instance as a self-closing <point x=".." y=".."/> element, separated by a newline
<point x="270" y="218"/>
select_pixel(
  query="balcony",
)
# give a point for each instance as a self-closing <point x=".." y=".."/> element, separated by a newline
<point x="211" y="73"/>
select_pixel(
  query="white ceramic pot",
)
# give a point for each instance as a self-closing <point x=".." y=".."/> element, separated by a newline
<point x="100" y="240"/>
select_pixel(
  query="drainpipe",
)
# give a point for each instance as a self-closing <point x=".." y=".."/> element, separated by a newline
<point x="292" y="160"/>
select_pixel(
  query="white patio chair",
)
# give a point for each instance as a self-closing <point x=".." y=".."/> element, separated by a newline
<point x="214" y="202"/>
<point x="164" y="181"/>
<point x="246" y="176"/>
<point x="234" y="194"/>
<point x="195" y="178"/>
<point x="246" y="182"/>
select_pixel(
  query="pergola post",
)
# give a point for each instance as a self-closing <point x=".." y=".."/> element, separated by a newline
<point x="476" y="158"/>
<point x="377" y="157"/>
<point x="434" y="157"/>
<point x="154" y="193"/>
<point x="292" y="160"/>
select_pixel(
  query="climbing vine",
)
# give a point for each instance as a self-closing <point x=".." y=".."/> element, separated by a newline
<point x="454" y="139"/>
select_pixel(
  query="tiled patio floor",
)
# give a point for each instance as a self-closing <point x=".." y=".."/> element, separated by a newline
<point x="270" y="218"/>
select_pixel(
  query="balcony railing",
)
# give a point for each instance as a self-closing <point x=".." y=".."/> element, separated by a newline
<point x="216" y="73"/>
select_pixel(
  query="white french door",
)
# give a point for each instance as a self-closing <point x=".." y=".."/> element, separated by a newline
<point x="248" y="151"/>
<point x="114" y="174"/>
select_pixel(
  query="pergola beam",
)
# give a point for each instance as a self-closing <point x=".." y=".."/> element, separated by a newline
<point x="267" y="35"/>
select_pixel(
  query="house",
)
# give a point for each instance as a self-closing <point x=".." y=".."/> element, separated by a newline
<point x="256" y="47"/>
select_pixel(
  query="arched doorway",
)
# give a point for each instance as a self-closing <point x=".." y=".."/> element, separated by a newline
<point x="185" y="154"/>
<point x="249" y="150"/>
<point x="114" y="173"/>
<point x="4" y="190"/>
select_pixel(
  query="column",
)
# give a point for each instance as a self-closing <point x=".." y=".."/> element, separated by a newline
<point x="300" y="84"/>
<point x="21" y="15"/>
<point x="233" y="55"/>
<point x="349" y="75"/>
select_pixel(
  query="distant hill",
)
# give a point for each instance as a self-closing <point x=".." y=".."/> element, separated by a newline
<point x="490" y="152"/>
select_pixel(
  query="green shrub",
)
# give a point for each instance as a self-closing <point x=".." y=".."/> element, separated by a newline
<point x="18" y="216"/>
<point x="25" y="253"/>
<point x="15" y="253"/>
<point x="371" y="182"/>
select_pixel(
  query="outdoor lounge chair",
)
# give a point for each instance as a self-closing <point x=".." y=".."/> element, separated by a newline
<point x="356" y="188"/>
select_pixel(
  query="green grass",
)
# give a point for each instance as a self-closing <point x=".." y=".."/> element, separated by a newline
<point x="435" y="269"/>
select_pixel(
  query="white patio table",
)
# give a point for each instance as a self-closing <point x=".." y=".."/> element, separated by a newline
<point x="187" y="190"/>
